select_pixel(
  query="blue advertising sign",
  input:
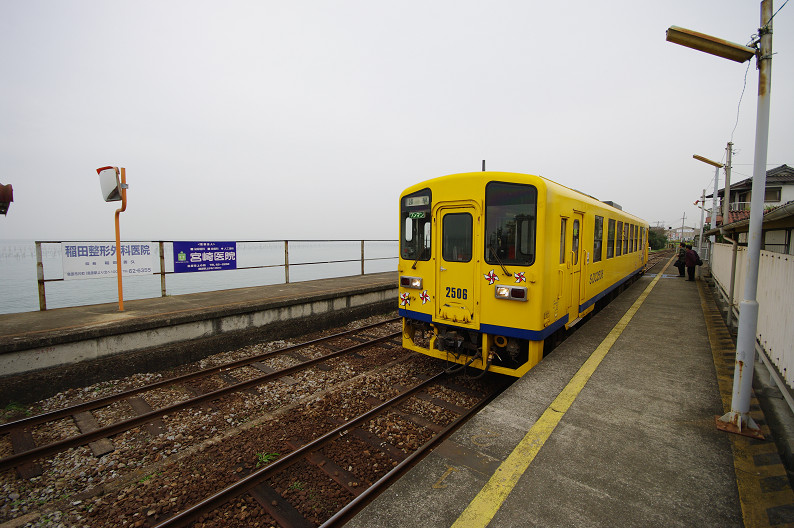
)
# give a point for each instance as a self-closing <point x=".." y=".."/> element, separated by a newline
<point x="204" y="256"/>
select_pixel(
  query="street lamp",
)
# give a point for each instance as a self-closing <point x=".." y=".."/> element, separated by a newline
<point x="738" y="419"/>
<point x="709" y="44"/>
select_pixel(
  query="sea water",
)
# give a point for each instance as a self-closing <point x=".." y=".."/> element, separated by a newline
<point x="308" y="260"/>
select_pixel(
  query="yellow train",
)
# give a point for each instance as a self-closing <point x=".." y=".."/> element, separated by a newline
<point x="492" y="264"/>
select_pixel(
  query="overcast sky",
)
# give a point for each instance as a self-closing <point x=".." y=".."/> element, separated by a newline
<point x="260" y="120"/>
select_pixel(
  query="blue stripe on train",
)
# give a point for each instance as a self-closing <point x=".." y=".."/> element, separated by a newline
<point x="593" y="300"/>
<point x="520" y="333"/>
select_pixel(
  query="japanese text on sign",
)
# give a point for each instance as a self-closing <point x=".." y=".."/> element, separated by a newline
<point x="204" y="256"/>
<point x="95" y="260"/>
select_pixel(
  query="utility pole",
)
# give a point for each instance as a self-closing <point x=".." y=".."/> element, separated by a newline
<point x="726" y="196"/>
<point x="739" y="420"/>
<point x="682" y="226"/>
<point x="702" y="214"/>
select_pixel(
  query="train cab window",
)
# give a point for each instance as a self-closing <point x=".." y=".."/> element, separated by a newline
<point x="610" y="239"/>
<point x="456" y="237"/>
<point x="598" y="236"/>
<point x="510" y="223"/>
<point x="416" y="225"/>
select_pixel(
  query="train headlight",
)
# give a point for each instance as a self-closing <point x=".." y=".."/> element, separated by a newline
<point x="512" y="293"/>
<point x="411" y="282"/>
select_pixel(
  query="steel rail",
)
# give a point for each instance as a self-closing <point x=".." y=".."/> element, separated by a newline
<point x="106" y="400"/>
<point x="351" y="508"/>
<point x="82" y="439"/>
<point x="249" y="482"/>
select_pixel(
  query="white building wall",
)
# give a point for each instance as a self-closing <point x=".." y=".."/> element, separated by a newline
<point x="775" y="296"/>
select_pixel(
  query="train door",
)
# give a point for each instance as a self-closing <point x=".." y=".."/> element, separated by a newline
<point x="455" y="276"/>
<point x="576" y="262"/>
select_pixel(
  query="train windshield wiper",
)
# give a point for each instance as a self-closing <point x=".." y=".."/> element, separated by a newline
<point x="419" y="257"/>
<point x="493" y="252"/>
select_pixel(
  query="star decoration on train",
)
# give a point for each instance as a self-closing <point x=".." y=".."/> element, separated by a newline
<point x="405" y="299"/>
<point x="520" y="276"/>
<point x="491" y="277"/>
<point x="424" y="296"/>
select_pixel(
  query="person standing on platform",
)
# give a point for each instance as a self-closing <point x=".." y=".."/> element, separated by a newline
<point x="681" y="262"/>
<point x="691" y="259"/>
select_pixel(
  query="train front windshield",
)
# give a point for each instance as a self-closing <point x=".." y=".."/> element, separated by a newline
<point x="510" y="218"/>
<point x="416" y="223"/>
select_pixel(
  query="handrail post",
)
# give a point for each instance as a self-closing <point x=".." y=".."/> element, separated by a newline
<point x="362" y="257"/>
<point x="40" y="276"/>
<point x="286" y="261"/>
<point x="162" y="270"/>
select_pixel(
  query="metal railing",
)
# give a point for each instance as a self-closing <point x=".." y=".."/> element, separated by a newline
<point x="163" y="272"/>
<point x="738" y="206"/>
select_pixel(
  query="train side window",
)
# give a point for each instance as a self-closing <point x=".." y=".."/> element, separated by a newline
<point x="457" y="237"/>
<point x="416" y="225"/>
<point x="510" y="223"/>
<point x="632" y="244"/>
<point x="637" y="239"/>
<point x="625" y="239"/>
<point x="619" y="240"/>
<point x="598" y="236"/>
<point x="563" y="229"/>
<point x="610" y="239"/>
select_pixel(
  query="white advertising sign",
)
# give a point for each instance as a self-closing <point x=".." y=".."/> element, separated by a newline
<point x="96" y="260"/>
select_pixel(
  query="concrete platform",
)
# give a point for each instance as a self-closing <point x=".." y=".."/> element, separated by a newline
<point x="46" y="351"/>
<point x="615" y="428"/>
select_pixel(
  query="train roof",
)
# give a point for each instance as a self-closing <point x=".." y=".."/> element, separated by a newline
<point x="517" y="177"/>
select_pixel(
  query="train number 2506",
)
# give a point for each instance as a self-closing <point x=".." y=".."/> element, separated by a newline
<point x="457" y="293"/>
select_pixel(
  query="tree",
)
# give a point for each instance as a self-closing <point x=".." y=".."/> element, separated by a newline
<point x="657" y="239"/>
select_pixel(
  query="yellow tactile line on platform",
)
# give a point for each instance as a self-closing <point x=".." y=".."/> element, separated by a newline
<point x="484" y="506"/>
<point x="764" y="491"/>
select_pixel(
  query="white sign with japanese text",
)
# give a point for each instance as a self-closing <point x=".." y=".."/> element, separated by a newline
<point x="96" y="260"/>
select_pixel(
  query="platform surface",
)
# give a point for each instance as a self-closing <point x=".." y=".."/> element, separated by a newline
<point x="60" y="324"/>
<point x="616" y="427"/>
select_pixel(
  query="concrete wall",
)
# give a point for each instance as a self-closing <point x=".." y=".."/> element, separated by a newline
<point x="38" y="372"/>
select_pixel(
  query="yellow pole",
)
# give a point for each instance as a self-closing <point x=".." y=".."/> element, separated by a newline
<point x="118" y="235"/>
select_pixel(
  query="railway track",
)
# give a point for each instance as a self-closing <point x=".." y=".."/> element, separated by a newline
<point x="302" y="461"/>
<point x="327" y="462"/>
<point x="657" y="258"/>
<point x="197" y="383"/>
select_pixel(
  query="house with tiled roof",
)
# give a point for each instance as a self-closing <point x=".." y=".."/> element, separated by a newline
<point x="778" y="220"/>
<point x="779" y="191"/>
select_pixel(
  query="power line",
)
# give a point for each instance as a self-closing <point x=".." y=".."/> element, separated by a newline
<point x="739" y="106"/>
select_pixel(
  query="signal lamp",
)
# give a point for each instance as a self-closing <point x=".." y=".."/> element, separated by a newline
<point x="411" y="282"/>
<point x="512" y="293"/>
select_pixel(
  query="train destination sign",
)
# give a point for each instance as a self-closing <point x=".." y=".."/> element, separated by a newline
<point x="416" y="201"/>
<point x="97" y="260"/>
<point x="204" y="256"/>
